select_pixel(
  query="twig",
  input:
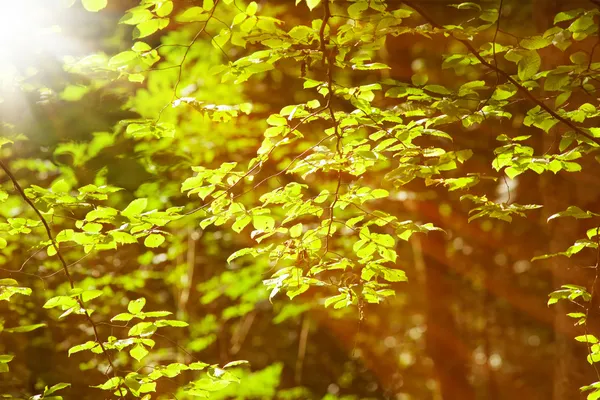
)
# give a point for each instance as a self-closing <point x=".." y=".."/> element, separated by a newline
<point x="594" y="49"/>
<point x="495" y="59"/>
<point x="258" y="164"/>
<point x="326" y="16"/>
<point x="328" y="61"/>
<point x="65" y="266"/>
<point x="507" y="76"/>
<point x="185" y="54"/>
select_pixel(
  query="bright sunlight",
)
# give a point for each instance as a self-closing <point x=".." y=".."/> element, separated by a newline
<point x="29" y="31"/>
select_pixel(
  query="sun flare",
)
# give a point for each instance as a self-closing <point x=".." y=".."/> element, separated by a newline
<point x="29" y="31"/>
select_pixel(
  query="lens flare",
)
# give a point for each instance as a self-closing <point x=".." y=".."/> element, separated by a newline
<point x="29" y="32"/>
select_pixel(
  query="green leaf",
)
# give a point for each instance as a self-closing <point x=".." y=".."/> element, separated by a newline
<point x="370" y="66"/>
<point x="90" y="294"/>
<point x="122" y="317"/>
<point x="155" y="314"/>
<point x="74" y="92"/>
<point x="122" y="58"/>
<point x="252" y="8"/>
<point x="240" y="253"/>
<point x="263" y="223"/>
<point x="236" y="363"/>
<point x="154" y="240"/>
<point x="6" y="358"/>
<point x="94" y="5"/>
<point x="582" y="23"/>
<point x="356" y="9"/>
<point x="135" y="208"/>
<point x="556" y="82"/>
<point x="211" y="385"/>
<point x="147" y="28"/>
<point x="529" y="65"/>
<point x="110" y="384"/>
<point x="24" y="328"/>
<point x="123" y="237"/>
<point x="193" y="14"/>
<point x="587" y="339"/>
<point x="60" y="186"/>
<point x="136" y="306"/>
<point x="81" y="347"/>
<point x="561" y="99"/>
<point x="393" y="275"/>
<point x="62" y="301"/>
<point x="567" y="15"/>
<point x="55" y="388"/>
<point x="312" y="3"/>
<point x="296" y="230"/>
<point x="241" y="222"/>
<point x="164" y="9"/>
<point x="595" y="395"/>
<point x="579" y="57"/>
<point x="197" y="366"/>
<point x="171" y="322"/>
<point x="535" y="42"/>
<point x="419" y="79"/>
<point x="136" y="16"/>
<point x="572" y="211"/>
<point x="467" y="6"/>
<point x="334" y="299"/>
<point x="138" y="352"/>
<point x="142" y="329"/>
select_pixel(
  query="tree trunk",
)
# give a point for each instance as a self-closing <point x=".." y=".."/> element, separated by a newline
<point x="450" y="355"/>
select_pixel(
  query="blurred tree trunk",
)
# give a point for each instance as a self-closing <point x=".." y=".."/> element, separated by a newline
<point x="451" y="356"/>
<point x="558" y="193"/>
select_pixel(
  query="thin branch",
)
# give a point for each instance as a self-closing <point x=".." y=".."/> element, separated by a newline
<point x="326" y="16"/>
<point x="185" y="54"/>
<point x="328" y="62"/>
<point x="495" y="59"/>
<point x="65" y="266"/>
<point x="594" y="49"/>
<point x="507" y="76"/>
<point x="258" y="165"/>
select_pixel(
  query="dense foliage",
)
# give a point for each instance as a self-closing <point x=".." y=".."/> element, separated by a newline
<point x="319" y="199"/>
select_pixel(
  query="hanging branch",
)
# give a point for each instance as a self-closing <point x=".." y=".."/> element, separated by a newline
<point x="64" y="264"/>
<point x="328" y="62"/>
<point x="506" y="75"/>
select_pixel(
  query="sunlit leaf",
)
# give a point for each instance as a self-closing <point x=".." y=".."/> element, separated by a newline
<point x="94" y="5"/>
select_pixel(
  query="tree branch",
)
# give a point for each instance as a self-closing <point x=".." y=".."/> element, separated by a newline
<point x="507" y="76"/>
<point x="65" y="267"/>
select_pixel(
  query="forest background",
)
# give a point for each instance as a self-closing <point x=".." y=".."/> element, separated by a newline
<point x="299" y="200"/>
